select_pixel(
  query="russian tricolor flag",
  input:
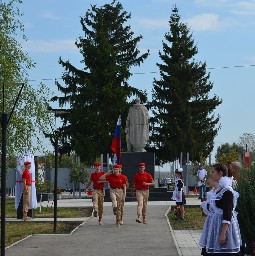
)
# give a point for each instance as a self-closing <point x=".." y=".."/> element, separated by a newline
<point x="116" y="142"/>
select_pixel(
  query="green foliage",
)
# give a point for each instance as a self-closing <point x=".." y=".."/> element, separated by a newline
<point x="30" y="115"/>
<point x="99" y="92"/>
<point x="46" y="186"/>
<point x="183" y="118"/>
<point x="64" y="161"/>
<point x="78" y="173"/>
<point x="246" y="205"/>
<point x="229" y="153"/>
<point x="43" y="185"/>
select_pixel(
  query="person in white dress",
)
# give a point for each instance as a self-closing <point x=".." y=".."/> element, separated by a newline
<point x="178" y="193"/>
<point x="221" y="234"/>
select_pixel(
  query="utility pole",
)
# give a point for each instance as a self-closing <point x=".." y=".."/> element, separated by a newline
<point x="56" y="183"/>
<point x="187" y="175"/>
<point x="4" y="124"/>
<point x="54" y="140"/>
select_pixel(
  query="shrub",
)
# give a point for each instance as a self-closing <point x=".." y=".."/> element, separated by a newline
<point x="78" y="173"/>
<point x="246" y="205"/>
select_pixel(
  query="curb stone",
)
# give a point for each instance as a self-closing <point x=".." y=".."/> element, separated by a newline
<point x="172" y="233"/>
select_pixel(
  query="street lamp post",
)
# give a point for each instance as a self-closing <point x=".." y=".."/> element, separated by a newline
<point x="55" y="182"/>
<point x="4" y="124"/>
<point x="54" y="139"/>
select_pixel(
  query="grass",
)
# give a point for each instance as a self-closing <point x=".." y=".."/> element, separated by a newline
<point x="48" y="212"/>
<point x="16" y="231"/>
<point x="193" y="219"/>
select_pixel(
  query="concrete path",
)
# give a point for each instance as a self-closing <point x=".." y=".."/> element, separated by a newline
<point x="90" y="239"/>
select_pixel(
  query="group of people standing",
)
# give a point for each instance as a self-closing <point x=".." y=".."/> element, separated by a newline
<point x="221" y="234"/>
<point x="119" y="183"/>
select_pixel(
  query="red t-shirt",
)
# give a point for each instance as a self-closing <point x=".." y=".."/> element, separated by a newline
<point x="124" y="178"/>
<point x="95" y="178"/>
<point x="139" y="178"/>
<point x="26" y="175"/>
<point x="116" y="181"/>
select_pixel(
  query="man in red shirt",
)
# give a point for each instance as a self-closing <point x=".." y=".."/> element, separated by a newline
<point x="98" y="192"/>
<point x="27" y="182"/>
<point x="117" y="190"/>
<point x="141" y="181"/>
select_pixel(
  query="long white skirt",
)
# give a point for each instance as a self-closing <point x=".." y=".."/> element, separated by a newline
<point x="213" y="229"/>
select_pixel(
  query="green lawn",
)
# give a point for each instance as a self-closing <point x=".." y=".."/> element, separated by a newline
<point x="16" y="231"/>
<point x="193" y="219"/>
<point x="48" y="212"/>
<point x="19" y="230"/>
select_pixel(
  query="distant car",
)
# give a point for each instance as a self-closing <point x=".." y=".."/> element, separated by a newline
<point x="168" y="181"/>
<point x="165" y="182"/>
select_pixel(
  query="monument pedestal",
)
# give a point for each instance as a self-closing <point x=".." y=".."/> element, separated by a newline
<point x="130" y="160"/>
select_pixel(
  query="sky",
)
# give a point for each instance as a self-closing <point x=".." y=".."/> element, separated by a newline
<point x="223" y="30"/>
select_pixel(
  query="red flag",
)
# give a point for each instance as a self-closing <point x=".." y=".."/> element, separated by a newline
<point x="247" y="159"/>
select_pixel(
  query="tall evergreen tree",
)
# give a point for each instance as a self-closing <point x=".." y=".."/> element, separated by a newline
<point x="183" y="118"/>
<point x="99" y="92"/>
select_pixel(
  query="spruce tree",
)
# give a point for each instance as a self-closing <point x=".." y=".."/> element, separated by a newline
<point x="99" y="92"/>
<point x="183" y="118"/>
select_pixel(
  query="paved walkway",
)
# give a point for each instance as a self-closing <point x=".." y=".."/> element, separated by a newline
<point x="90" y="239"/>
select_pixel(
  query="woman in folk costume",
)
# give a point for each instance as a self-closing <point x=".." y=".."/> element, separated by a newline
<point x="178" y="193"/>
<point x="221" y="235"/>
<point x="208" y="211"/>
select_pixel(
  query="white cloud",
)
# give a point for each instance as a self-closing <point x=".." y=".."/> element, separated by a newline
<point x="28" y="25"/>
<point x="215" y="3"/>
<point x="206" y="22"/>
<point x="50" y="16"/>
<point x="50" y="46"/>
<point x="244" y="8"/>
<point x="250" y="59"/>
<point x="150" y="24"/>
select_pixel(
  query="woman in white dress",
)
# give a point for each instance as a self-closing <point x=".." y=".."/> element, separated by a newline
<point x="221" y="235"/>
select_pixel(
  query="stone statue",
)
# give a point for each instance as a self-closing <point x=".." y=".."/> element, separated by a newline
<point x="137" y="127"/>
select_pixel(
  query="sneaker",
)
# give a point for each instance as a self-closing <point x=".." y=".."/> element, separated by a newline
<point x="121" y="222"/>
<point x="144" y="221"/>
<point x="117" y="224"/>
<point x="114" y="210"/>
<point x="100" y="222"/>
<point x="95" y="213"/>
<point x="138" y="220"/>
<point x="27" y="218"/>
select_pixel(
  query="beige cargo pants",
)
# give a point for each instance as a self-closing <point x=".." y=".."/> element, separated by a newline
<point x="98" y="201"/>
<point x="142" y="200"/>
<point x="116" y="196"/>
<point x="26" y="200"/>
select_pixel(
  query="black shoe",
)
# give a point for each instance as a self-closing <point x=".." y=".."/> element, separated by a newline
<point x="95" y="213"/>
